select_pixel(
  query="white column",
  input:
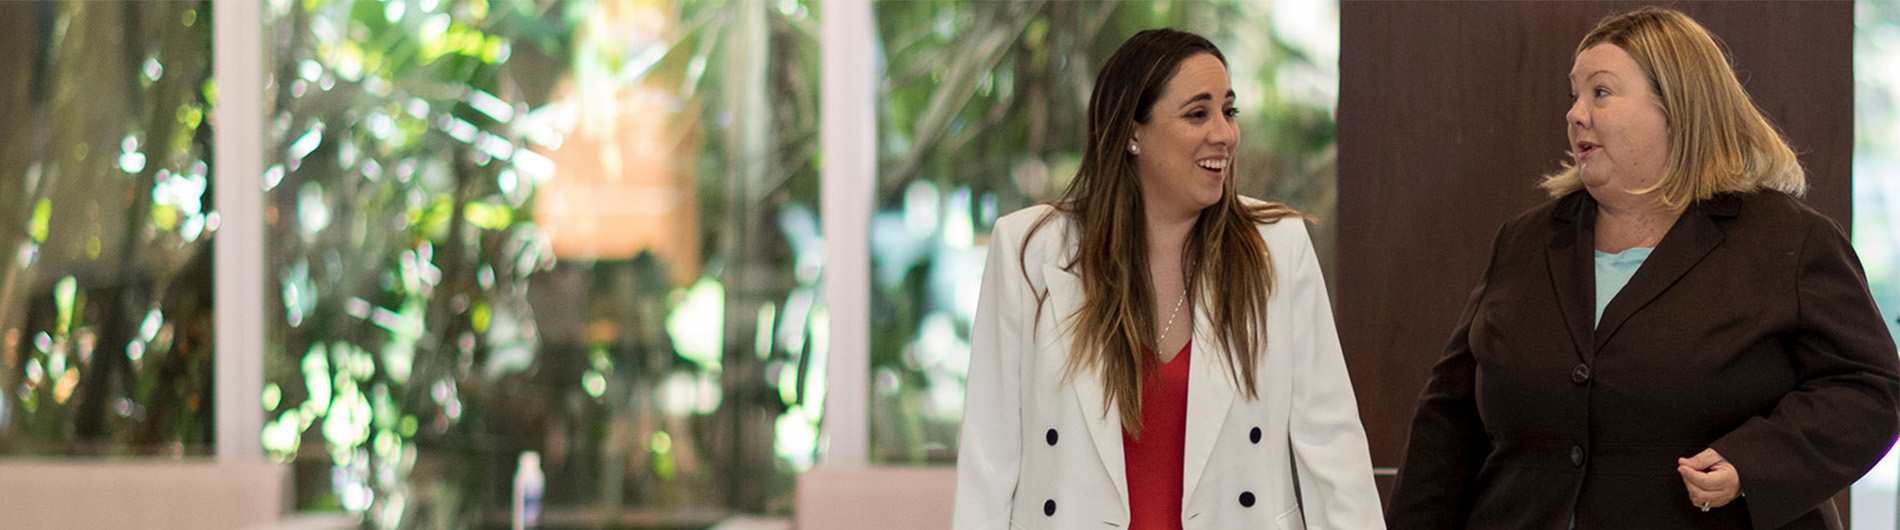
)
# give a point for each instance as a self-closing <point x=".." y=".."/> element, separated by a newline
<point x="848" y="132"/>
<point x="237" y="48"/>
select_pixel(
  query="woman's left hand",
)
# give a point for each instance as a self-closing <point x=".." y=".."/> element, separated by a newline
<point x="1712" y="481"/>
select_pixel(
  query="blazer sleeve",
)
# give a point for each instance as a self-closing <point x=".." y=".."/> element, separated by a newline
<point x="1330" y="458"/>
<point x="1436" y="483"/>
<point x="1831" y="429"/>
<point x="990" y="446"/>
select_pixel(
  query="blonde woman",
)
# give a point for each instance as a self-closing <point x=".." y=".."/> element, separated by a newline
<point x="1151" y="350"/>
<point x="1674" y="341"/>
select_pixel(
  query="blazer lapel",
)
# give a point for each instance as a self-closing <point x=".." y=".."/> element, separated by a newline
<point x="1572" y="276"/>
<point x="1693" y="236"/>
<point x="1210" y="391"/>
<point x="1102" y="418"/>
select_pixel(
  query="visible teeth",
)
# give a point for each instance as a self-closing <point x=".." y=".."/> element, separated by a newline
<point x="1213" y="164"/>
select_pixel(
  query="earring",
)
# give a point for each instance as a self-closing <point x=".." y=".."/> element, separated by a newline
<point x="1133" y="149"/>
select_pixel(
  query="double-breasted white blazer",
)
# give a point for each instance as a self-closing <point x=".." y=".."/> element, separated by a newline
<point x="1041" y="451"/>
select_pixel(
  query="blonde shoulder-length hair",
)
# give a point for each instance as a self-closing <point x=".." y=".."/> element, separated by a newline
<point x="1718" y="139"/>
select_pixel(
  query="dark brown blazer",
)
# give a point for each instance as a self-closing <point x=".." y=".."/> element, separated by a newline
<point x="1749" y="330"/>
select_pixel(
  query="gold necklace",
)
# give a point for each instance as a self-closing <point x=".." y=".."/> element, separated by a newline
<point x="1170" y="326"/>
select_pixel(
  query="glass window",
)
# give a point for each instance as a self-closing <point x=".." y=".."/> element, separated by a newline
<point x="105" y="243"/>
<point x="982" y="112"/>
<point x="585" y="229"/>
<point x="1876" y="223"/>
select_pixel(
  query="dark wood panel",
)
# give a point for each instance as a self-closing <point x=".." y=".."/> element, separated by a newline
<point x="1450" y="112"/>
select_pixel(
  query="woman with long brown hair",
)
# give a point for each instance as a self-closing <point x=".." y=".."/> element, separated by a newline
<point x="1151" y="350"/>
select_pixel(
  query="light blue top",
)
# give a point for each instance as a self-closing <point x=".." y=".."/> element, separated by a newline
<point x="1614" y="271"/>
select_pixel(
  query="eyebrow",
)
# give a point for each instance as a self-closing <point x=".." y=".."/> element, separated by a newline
<point x="1203" y="97"/>
<point x="1573" y="77"/>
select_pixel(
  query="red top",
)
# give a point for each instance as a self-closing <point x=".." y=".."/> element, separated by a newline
<point x="1154" y="463"/>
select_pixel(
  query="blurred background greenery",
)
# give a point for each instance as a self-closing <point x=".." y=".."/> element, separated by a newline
<point x="1876" y="223"/>
<point x="105" y="279"/>
<point x="568" y="227"/>
<point x="589" y="229"/>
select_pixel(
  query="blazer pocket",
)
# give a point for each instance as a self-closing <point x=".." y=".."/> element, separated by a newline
<point x="1291" y="520"/>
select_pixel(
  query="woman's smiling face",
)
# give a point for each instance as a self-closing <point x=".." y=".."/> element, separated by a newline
<point x="1187" y="144"/>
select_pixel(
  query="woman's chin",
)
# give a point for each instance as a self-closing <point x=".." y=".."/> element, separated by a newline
<point x="1594" y="181"/>
<point x="1207" y="201"/>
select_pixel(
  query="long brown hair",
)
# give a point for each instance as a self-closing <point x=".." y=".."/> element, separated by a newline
<point x="1718" y="139"/>
<point x="1224" y="251"/>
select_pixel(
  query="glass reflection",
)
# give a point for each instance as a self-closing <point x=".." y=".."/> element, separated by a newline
<point x="1876" y="223"/>
<point x="576" y="228"/>
<point x="105" y="252"/>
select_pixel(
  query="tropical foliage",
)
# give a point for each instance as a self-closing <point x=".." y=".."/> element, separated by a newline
<point x="576" y="228"/>
<point x="105" y="246"/>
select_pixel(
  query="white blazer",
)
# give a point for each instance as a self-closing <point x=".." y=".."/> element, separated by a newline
<point x="1038" y="451"/>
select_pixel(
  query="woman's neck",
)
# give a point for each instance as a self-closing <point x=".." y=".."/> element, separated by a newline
<point x="1167" y="234"/>
<point x="1628" y="221"/>
<point x="1168" y="270"/>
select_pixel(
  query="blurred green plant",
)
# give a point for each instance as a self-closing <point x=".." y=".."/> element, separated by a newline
<point x="431" y="328"/>
<point x="105" y="249"/>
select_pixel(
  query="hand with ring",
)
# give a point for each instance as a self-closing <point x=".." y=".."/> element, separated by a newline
<point x="1712" y="481"/>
